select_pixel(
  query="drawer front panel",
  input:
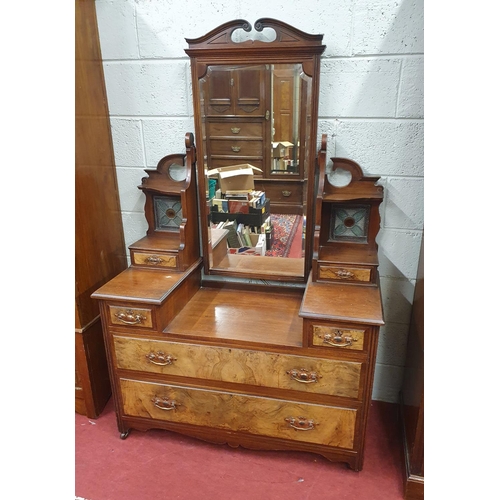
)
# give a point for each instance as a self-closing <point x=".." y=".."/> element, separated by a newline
<point x="283" y="192"/>
<point x="233" y="129"/>
<point x="339" y="273"/>
<point x="131" y="316"/>
<point x="154" y="260"/>
<point x="278" y="418"/>
<point x="236" y="147"/>
<point x="281" y="371"/>
<point x="338" y="338"/>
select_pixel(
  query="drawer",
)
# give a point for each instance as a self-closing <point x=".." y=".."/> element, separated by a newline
<point x="233" y="129"/>
<point x="236" y="147"/>
<point x="241" y="366"/>
<point x="130" y="316"/>
<point x="341" y="273"/>
<point x="154" y="260"/>
<point x="278" y="418"/>
<point x="283" y="192"/>
<point x="337" y="338"/>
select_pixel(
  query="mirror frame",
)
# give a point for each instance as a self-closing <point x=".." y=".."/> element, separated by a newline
<point x="291" y="46"/>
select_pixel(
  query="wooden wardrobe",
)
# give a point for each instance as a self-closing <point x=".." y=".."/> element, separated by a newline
<point x="99" y="243"/>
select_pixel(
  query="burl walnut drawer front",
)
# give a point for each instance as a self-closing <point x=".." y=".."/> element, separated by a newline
<point x="326" y="425"/>
<point x="339" y="273"/>
<point x="281" y="371"/>
<point x="131" y="316"/>
<point x="154" y="260"/>
<point x="338" y="338"/>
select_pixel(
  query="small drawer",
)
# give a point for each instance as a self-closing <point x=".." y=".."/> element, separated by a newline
<point x="311" y="423"/>
<point x="131" y="316"/>
<point x="241" y="366"/>
<point x="236" y="147"/>
<point x="157" y="260"/>
<point x="233" y="129"/>
<point x="283" y="192"/>
<point x="341" y="273"/>
<point x="352" y="339"/>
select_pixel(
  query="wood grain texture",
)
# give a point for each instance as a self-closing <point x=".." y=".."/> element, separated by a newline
<point x="249" y="414"/>
<point x="241" y="366"/>
<point x="131" y="316"/>
<point x="249" y="316"/>
<point x="336" y="301"/>
<point x="100" y="252"/>
<point x="154" y="259"/>
<point x="343" y="273"/>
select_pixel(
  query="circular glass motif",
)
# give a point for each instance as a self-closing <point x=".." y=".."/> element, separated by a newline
<point x="177" y="172"/>
<point x="349" y="223"/>
<point x="168" y="212"/>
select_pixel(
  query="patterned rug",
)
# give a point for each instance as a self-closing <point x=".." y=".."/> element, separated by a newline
<point x="284" y="229"/>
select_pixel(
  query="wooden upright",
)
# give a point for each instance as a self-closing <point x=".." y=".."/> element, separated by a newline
<point x="99" y="243"/>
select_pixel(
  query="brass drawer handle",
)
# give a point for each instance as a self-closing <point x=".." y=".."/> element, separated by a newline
<point x="154" y="259"/>
<point x="164" y="403"/>
<point x="236" y="149"/>
<point x="344" y="274"/>
<point x="130" y="318"/>
<point x="160" y="358"/>
<point x="303" y="376"/>
<point x="286" y="194"/>
<point x="301" y="423"/>
<point x="235" y="130"/>
<point x="338" y="338"/>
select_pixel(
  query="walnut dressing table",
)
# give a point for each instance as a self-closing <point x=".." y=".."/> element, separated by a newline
<point x="267" y="353"/>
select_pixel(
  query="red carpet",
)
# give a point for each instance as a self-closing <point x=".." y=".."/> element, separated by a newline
<point x="158" y="465"/>
<point x="285" y="227"/>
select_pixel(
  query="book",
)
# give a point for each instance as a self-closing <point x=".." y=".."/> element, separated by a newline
<point x="236" y="206"/>
<point x="232" y="237"/>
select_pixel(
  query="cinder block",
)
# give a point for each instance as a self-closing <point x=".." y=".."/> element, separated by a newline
<point x="411" y="94"/>
<point x="127" y="142"/>
<point x="387" y="383"/>
<point x="117" y="29"/>
<point x="132" y="199"/>
<point x="383" y="147"/>
<point x="146" y="88"/>
<point x="359" y="88"/>
<point x="392" y="344"/>
<point x="397" y="299"/>
<point x="404" y="203"/>
<point x="399" y="251"/>
<point x="165" y="136"/>
<point x="134" y="227"/>
<point x="388" y="27"/>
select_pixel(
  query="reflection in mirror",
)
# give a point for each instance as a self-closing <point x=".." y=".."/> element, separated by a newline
<point x="255" y="122"/>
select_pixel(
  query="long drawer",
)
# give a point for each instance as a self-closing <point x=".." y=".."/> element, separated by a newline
<point x="312" y="423"/>
<point x="242" y="366"/>
<point x="236" y="147"/>
<point x="235" y="129"/>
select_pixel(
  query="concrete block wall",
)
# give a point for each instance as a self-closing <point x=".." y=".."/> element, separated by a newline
<point x="371" y="107"/>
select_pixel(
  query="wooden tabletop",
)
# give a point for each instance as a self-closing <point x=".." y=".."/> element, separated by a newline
<point x="151" y="286"/>
<point x="341" y="302"/>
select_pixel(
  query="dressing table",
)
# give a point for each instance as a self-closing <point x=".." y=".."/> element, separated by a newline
<point x="263" y="352"/>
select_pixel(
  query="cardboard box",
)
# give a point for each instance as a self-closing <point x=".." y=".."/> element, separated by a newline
<point x="281" y="149"/>
<point x="235" y="177"/>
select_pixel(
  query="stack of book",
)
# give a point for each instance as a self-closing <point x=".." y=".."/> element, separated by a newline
<point x="248" y="240"/>
<point x="233" y="202"/>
